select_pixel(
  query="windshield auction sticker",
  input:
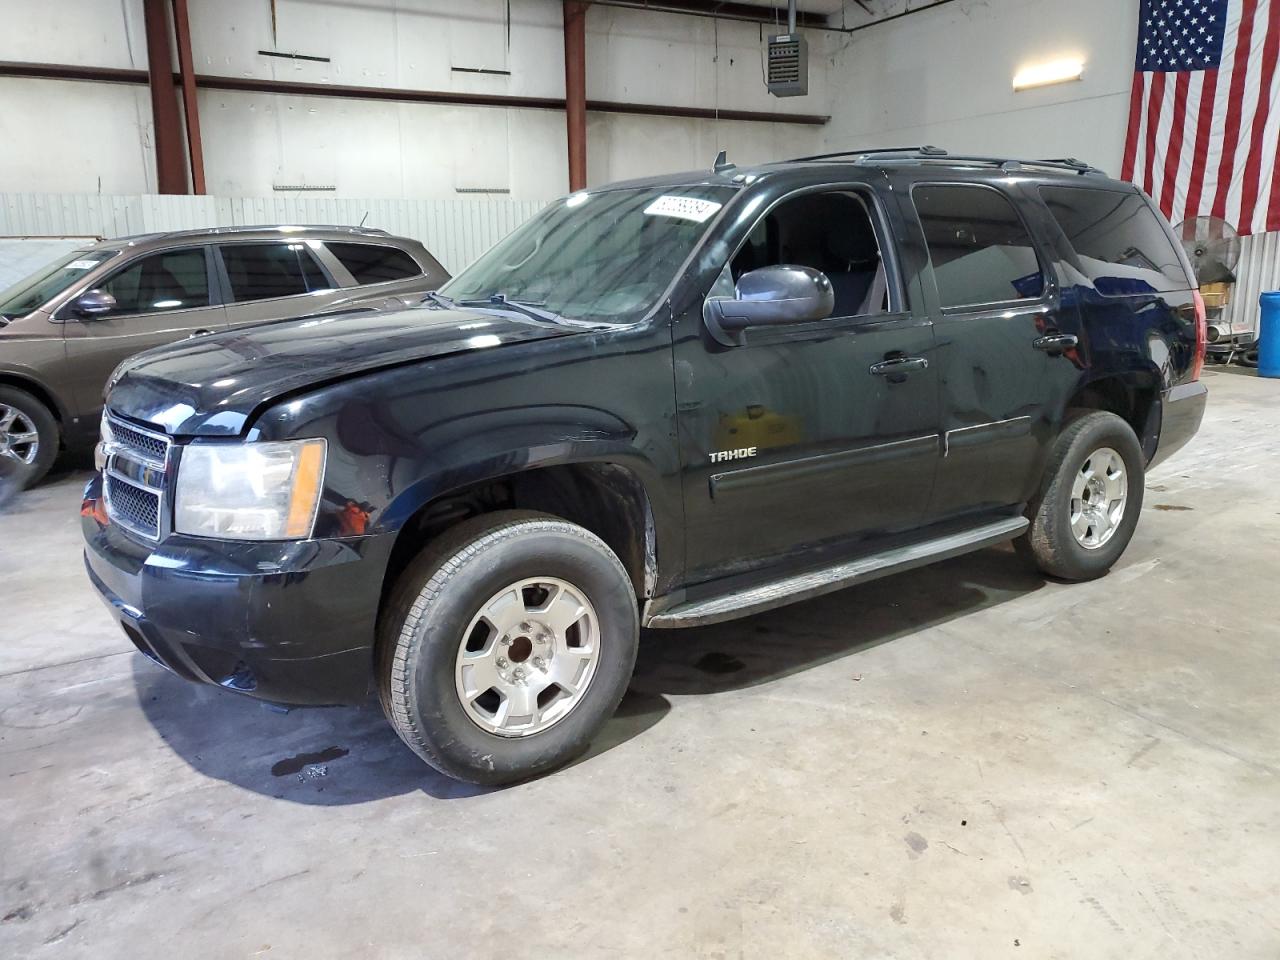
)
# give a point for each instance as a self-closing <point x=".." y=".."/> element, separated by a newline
<point x="82" y="264"/>
<point x="683" y="208"/>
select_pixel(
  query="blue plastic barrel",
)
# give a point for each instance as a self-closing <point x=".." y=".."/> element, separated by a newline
<point x="1269" y="335"/>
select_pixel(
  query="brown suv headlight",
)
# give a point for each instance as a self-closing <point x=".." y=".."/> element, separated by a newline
<point x="250" y="491"/>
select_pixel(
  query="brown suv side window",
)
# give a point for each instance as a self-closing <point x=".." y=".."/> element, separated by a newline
<point x="374" y="263"/>
<point x="172" y="280"/>
<point x="264" y="271"/>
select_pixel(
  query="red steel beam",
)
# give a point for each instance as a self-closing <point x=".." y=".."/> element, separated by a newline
<point x="171" y="166"/>
<point x="61" y="71"/>
<point x="575" y="90"/>
<point x="190" y="108"/>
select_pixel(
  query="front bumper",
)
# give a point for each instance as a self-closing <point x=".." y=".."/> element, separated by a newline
<point x="288" y="622"/>
<point x="1181" y="411"/>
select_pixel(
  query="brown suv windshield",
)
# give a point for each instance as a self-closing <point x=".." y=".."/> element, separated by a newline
<point x="47" y="282"/>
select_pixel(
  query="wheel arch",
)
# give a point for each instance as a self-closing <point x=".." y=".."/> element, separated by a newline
<point x="609" y="497"/>
<point x="1134" y="396"/>
<point x="21" y="381"/>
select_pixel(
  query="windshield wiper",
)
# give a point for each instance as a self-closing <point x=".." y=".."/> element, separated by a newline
<point x="439" y="299"/>
<point x="502" y="301"/>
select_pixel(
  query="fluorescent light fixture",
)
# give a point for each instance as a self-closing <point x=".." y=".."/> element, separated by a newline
<point x="1044" y="74"/>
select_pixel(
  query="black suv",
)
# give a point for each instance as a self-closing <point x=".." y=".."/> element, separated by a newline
<point x="661" y="403"/>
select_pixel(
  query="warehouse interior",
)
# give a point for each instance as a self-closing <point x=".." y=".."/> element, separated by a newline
<point x="968" y="759"/>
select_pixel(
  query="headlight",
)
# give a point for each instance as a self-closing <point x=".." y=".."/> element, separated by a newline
<point x="249" y="491"/>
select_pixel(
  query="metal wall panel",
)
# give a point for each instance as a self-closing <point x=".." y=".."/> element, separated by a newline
<point x="455" y="231"/>
<point x="1258" y="272"/>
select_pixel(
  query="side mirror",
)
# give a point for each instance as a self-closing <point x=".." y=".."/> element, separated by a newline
<point x="769" y="297"/>
<point x="94" y="304"/>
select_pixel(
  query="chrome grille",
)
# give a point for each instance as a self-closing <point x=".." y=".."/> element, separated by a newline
<point x="150" y="445"/>
<point x="136" y="473"/>
<point x="133" y="507"/>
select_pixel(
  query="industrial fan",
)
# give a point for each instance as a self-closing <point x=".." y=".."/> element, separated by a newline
<point x="1213" y="246"/>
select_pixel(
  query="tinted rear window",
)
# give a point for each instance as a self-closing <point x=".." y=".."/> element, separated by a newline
<point x="373" y="263"/>
<point x="1122" y="247"/>
<point x="263" y="271"/>
<point x="980" y="249"/>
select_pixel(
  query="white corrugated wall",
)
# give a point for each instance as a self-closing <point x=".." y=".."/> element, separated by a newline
<point x="1258" y="272"/>
<point x="455" y="231"/>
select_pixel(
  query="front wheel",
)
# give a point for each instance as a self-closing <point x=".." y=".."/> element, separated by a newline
<point x="1089" y="500"/>
<point x="506" y="646"/>
<point x="28" y="437"/>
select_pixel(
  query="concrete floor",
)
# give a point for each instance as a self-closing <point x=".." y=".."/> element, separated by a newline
<point x="965" y="761"/>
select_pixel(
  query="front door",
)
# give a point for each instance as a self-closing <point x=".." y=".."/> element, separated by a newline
<point x="818" y="433"/>
<point x="1006" y="347"/>
<point x="160" y="298"/>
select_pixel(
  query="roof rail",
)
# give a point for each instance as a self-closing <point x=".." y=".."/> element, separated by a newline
<point x="879" y="152"/>
<point x="938" y="155"/>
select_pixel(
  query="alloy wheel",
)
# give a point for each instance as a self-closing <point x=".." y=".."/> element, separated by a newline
<point x="19" y="439"/>
<point x="527" y="657"/>
<point x="1098" y="497"/>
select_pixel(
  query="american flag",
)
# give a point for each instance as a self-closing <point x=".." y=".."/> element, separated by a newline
<point x="1203" y="116"/>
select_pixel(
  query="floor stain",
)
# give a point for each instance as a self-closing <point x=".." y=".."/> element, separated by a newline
<point x="104" y="892"/>
<point x="917" y="843"/>
<point x="1171" y="506"/>
<point x="898" y="912"/>
<point x="61" y="934"/>
<point x="24" y="912"/>
<point x="1143" y="751"/>
<point x="719" y="663"/>
<point x="282" y="768"/>
<point x="1021" y="884"/>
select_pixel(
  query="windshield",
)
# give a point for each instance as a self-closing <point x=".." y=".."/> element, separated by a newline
<point x="49" y="281"/>
<point x="604" y="257"/>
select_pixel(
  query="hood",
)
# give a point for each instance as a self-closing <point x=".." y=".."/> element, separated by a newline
<point x="211" y="385"/>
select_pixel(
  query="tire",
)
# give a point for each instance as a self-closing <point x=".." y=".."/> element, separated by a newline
<point x="447" y="608"/>
<point x="1085" y="550"/>
<point x="25" y="463"/>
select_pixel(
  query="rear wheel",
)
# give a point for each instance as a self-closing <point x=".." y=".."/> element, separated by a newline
<point x="1089" y="501"/>
<point x="506" y="646"/>
<point x="28" y="437"/>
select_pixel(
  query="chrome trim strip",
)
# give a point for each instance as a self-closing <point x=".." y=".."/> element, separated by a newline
<point x="790" y="470"/>
<point x="1012" y="427"/>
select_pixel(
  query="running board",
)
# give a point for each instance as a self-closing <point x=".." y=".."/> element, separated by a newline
<point x="815" y="583"/>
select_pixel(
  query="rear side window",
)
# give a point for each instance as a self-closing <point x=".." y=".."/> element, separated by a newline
<point x="173" y="280"/>
<point x="980" y="249"/>
<point x="374" y="263"/>
<point x="262" y="271"/>
<point x="1122" y="247"/>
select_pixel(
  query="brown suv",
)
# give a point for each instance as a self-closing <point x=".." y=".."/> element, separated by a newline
<point x="66" y="327"/>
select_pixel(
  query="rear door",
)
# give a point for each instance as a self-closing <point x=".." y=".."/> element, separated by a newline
<point x="160" y="297"/>
<point x="1006" y="344"/>
<point x="273" y="280"/>
<point x="1134" y="292"/>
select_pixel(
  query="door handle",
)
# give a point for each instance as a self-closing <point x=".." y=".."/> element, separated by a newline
<point x="899" y="365"/>
<point x="1056" y="342"/>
